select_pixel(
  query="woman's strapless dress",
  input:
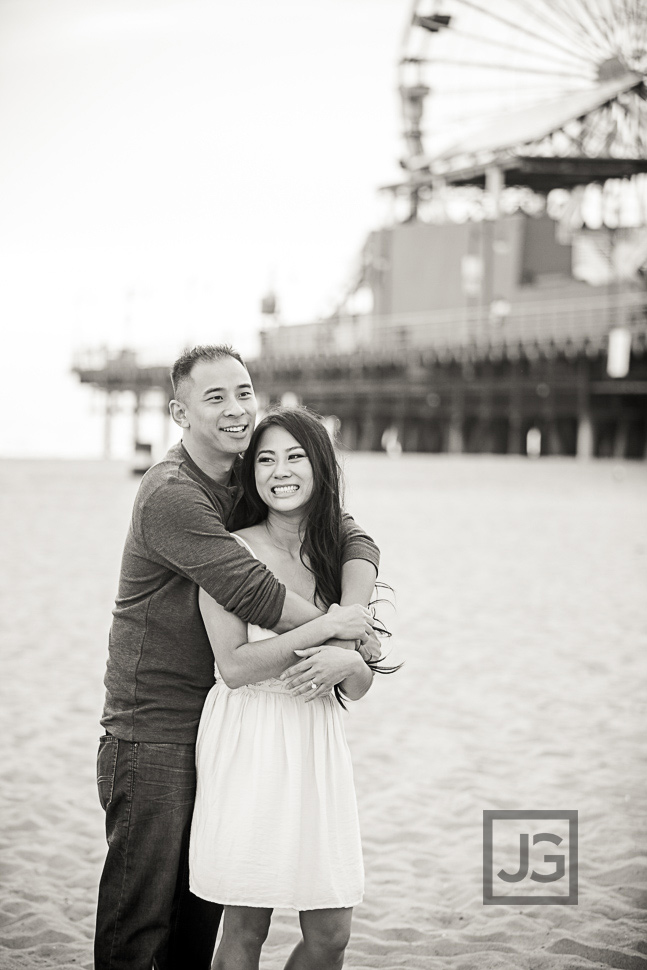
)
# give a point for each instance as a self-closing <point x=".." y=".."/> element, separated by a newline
<point x="275" y="821"/>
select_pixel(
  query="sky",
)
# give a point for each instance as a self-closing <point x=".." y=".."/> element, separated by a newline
<point x="162" y="164"/>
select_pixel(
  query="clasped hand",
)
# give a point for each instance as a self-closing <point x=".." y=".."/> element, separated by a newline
<point x="349" y="622"/>
<point x="321" y="668"/>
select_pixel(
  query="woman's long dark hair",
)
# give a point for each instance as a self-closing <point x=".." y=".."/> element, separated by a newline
<point x="321" y="545"/>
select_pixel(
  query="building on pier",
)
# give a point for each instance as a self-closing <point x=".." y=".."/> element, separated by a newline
<point x="445" y="370"/>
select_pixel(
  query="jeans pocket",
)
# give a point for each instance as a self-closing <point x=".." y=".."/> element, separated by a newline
<point x="106" y="768"/>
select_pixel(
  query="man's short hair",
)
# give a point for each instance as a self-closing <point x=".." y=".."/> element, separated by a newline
<point x="191" y="356"/>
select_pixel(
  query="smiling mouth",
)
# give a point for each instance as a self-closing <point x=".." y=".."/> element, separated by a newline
<point x="235" y="428"/>
<point x="284" y="489"/>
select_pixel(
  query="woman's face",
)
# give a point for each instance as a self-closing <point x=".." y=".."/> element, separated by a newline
<point x="283" y="471"/>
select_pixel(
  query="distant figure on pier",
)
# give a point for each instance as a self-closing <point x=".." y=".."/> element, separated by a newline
<point x="160" y="663"/>
<point x="391" y="442"/>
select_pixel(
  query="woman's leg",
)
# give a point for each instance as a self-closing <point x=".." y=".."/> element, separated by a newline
<point x="244" y="931"/>
<point x="326" y="933"/>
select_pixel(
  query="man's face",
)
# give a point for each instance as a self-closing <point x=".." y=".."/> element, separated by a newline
<point x="220" y="406"/>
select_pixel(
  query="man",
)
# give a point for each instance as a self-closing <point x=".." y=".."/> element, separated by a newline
<point x="160" y="664"/>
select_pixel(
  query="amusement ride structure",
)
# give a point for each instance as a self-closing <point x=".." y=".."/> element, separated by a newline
<point x="503" y="307"/>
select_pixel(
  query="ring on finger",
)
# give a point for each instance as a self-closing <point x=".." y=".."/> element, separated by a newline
<point x="313" y="686"/>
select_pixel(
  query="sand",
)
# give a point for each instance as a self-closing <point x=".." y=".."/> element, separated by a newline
<point x="521" y="618"/>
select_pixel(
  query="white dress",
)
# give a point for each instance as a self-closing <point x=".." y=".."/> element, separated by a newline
<point x="275" y="821"/>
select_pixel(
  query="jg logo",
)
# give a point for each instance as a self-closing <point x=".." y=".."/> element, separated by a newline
<point x="510" y="864"/>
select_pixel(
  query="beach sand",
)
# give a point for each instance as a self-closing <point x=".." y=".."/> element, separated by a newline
<point x="521" y="620"/>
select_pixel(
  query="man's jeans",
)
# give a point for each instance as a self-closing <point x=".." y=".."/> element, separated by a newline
<point x="146" y="915"/>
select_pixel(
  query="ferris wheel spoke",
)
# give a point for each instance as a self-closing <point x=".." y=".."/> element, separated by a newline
<point x="484" y="65"/>
<point x="571" y="30"/>
<point x="641" y="21"/>
<point x="602" y="18"/>
<point x="580" y="37"/>
<point x="510" y="23"/>
<point x="625" y="14"/>
<point x="535" y="89"/>
<point x="641" y="25"/>
<point x="515" y="49"/>
<point x="630" y="13"/>
<point x="487" y="117"/>
<point x="580" y="14"/>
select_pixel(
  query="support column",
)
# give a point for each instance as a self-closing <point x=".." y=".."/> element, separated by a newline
<point x="585" y="438"/>
<point x="136" y="413"/>
<point x="484" y="431"/>
<point x="584" y="435"/>
<point x="514" y="434"/>
<point x="515" y="416"/>
<point x="367" y="433"/>
<point x="455" y="443"/>
<point x="349" y="433"/>
<point x="553" y="436"/>
<point x="107" y="425"/>
<point x="620" y="438"/>
<point x="411" y="436"/>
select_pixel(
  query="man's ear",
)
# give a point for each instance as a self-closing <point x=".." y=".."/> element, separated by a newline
<point x="178" y="413"/>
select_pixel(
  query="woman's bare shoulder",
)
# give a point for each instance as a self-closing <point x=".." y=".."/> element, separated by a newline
<point x="251" y="532"/>
<point x="256" y="538"/>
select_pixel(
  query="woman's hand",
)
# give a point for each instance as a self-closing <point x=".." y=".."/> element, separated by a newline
<point x="320" y="669"/>
<point x="350" y="622"/>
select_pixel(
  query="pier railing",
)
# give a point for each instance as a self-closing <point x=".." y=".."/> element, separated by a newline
<point x="574" y="323"/>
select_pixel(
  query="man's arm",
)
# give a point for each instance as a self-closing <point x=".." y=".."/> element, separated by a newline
<point x="241" y="662"/>
<point x="359" y="571"/>
<point x="182" y="530"/>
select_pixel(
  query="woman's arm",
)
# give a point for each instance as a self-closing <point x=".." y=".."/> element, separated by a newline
<point x="241" y="662"/>
<point x="356" y="544"/>
<point x="357" y="582"/>
<point x="358" y="683"/>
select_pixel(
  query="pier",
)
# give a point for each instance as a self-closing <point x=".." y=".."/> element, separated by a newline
<point x="471" y="382"/>
<point x="447" y="381"/>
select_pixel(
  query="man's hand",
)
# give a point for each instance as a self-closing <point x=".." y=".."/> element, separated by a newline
<point x="324" y="666"/>
<point x="372" y="649"/>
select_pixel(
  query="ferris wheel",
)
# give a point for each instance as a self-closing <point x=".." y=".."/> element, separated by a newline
<point x="466" y="64"/>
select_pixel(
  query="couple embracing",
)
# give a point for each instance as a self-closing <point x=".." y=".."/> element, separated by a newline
<point x="248" y="561"/>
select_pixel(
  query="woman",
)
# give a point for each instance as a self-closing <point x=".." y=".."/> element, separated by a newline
<point x="275" y="821"/>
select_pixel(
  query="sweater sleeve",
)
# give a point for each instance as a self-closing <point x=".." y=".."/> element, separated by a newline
<point x="357" y="544"/>
<point x="183" y="531"/>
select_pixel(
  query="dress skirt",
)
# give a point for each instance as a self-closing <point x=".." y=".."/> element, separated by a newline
<point x="275" y="821"/>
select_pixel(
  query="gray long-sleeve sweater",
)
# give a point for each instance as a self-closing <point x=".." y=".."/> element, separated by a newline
<point x="160" y="662"/>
